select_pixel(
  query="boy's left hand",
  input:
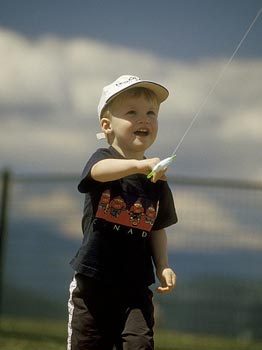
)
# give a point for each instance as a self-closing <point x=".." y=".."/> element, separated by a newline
<point x="159" y="175"/>
<point x="167" y="278"/>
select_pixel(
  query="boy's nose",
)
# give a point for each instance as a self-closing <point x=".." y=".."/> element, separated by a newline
<point x="144" y="118"/>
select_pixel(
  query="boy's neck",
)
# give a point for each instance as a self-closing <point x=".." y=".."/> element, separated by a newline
<point x="128" y="155"/>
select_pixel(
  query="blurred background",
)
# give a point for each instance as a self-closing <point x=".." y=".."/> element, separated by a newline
<point x="55" y="57"/>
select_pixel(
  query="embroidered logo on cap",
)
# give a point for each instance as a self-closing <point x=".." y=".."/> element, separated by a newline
<point x="130" y="79"/>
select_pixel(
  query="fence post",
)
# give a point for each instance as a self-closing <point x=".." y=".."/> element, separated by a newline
<point x="3" y="225"/>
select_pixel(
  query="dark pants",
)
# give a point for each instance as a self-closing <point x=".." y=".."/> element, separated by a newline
<point x="101" y="318"/>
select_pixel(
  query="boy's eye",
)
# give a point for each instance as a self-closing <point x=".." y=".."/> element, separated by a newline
<point x="131" y="112"/>
<point x="151" y="113"/>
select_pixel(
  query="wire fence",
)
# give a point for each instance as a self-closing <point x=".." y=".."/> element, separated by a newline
<point x="215" y="250"/>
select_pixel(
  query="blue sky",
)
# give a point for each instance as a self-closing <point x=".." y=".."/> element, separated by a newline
<point x="56" y="56"/>
<point x="187" y="29"/>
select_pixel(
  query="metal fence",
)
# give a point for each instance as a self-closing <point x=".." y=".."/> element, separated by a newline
<point x="215" y="250"/>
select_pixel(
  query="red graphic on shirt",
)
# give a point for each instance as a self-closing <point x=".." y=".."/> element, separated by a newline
<point x="104" y="201"/>
<point x="117" y="205"/>
<point x="136" y="212"/>
<point x="150" y="215"/>
<point x="116" y="210"/>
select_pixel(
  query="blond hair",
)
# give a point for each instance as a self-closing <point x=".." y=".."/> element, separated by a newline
<point x="136" y="92"/>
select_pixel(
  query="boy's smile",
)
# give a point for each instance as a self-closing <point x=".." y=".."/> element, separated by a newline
<point x="134" y="126"/>
<point x="142" y="132"/>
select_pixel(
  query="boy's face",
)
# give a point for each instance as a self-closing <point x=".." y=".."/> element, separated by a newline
<point x="134" y="125"/>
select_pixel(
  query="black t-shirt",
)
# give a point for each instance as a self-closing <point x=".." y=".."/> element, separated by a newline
<point x="118" y="217"/>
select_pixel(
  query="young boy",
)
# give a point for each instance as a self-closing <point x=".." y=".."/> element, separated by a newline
<point x="125" y="215"/>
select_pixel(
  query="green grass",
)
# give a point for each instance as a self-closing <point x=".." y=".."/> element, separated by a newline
<point x="21" y="334"/>
<point x="32" y="334"/>
<point x="183" y="341"/>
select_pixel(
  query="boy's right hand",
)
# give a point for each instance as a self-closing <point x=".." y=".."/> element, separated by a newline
<point x="146" y="166"/>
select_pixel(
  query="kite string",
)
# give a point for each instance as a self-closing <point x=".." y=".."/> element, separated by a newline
<point x="204" y="102"/>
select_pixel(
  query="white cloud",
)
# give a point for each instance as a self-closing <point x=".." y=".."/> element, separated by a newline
<point x="49" y="89"/>
<point x="206" y="223"/>
<point x="241" y="123"/>
<point x="57" y="206"/>
<point x="31" y="73"/>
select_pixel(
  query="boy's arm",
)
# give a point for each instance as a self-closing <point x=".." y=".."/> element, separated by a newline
<point x="164" y="273"/>
<point x="113" y="169"/>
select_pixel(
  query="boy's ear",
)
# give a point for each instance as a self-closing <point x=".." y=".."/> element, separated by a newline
<point x="106" y="125"/>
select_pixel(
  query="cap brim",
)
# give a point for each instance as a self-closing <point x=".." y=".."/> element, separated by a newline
<point x="160" y="91"/>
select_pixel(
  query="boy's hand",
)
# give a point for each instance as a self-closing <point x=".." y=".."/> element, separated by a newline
<point x="167" y="278"/>
<point x="147" y="165"/>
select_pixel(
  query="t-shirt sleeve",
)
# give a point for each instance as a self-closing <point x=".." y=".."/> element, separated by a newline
<point x="166" y="213"/>
<point x="86" y="180"/>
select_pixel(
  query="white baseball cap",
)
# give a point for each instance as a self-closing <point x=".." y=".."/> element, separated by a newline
<point x="123" y="83"/>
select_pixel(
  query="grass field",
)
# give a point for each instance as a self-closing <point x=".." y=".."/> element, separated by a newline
<point x="24" y="334"/>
